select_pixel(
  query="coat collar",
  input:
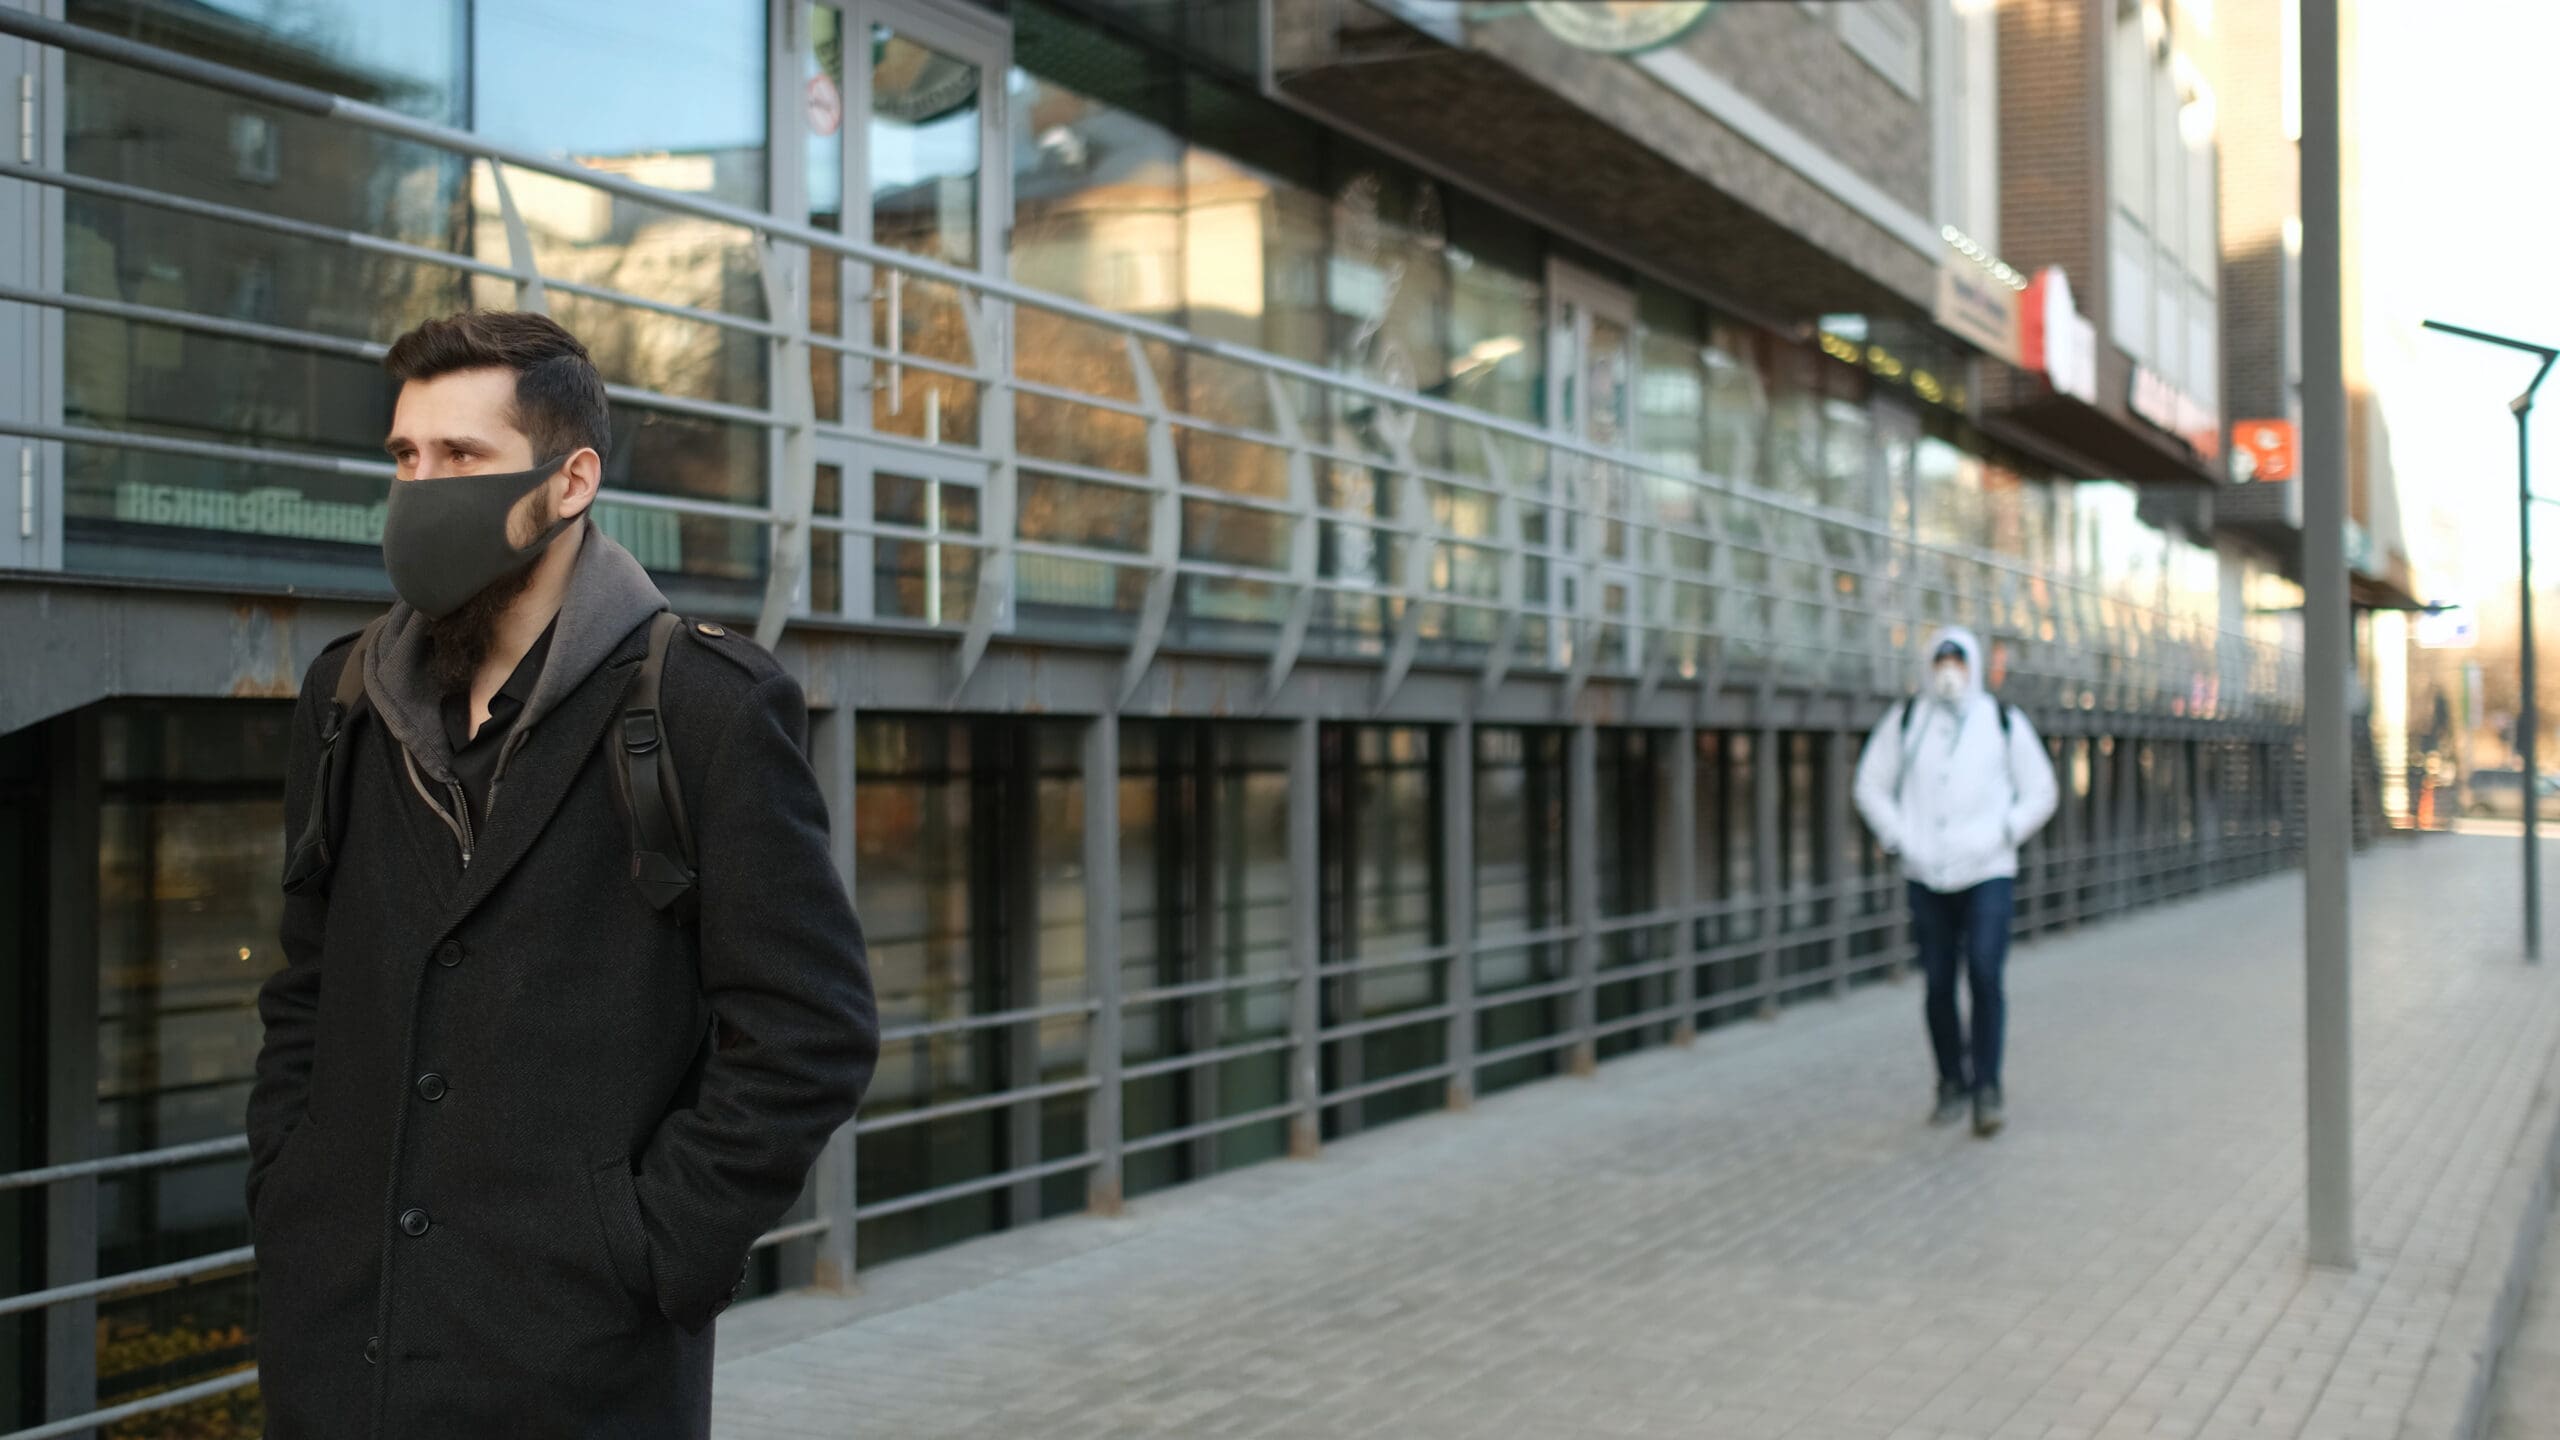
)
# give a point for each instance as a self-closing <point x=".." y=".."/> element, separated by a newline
<point x="537" y="778"/>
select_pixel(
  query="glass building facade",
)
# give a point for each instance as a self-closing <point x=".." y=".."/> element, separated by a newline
<point x="1328" y="758"/>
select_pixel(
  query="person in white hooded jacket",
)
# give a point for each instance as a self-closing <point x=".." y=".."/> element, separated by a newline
<point x="1953" y="781"/>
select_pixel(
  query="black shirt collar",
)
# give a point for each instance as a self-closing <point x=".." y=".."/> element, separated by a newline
<point x="504" y="706"/>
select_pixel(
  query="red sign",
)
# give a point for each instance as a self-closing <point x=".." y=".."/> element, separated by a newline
<point x="2056" y="340"/>
<point x="2272" y="447"/>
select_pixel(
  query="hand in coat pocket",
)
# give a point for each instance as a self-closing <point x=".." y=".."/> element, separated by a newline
<point x="626" y="1239"/>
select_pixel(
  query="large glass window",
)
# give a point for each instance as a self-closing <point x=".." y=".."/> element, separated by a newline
<point x="1382" y="901"/>
<point x="190" y="841"/>
<point x="1204" y="913"/>
<point x="670" y="95"/>
<point x="967" y="878"/>
<point x="1520" y="852"/>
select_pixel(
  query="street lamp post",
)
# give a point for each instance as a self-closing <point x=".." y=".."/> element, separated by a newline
<point x="2528" y="721"/>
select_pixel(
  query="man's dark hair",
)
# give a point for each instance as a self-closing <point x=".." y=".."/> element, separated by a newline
<point x="560" y="402"/>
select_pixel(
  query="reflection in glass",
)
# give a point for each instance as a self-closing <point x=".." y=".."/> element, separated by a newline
<point x="669" y="95"/>
<point x="1204" y="896"/>
<point x="953" y="819"/>
<point x="126" y="126"/>
<point x="191" y="831"/>
<point x="1632" y="842"/>
<point x="1380" y="866"/>
<point x="1521" y="849"/>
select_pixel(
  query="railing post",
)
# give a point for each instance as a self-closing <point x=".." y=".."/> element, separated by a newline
<point x="1457" y="779"/>
<point x="1306" y="901"/>
<point x="1684" y="880"/>
<point x="1582" y="887"/>
<point x="1102" y="959"/>
<point x="833" y="1191"/>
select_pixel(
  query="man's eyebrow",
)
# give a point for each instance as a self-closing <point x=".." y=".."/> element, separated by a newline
<point x="397" y="443"/>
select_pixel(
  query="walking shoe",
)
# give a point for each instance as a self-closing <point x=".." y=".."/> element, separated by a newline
<point x="1951" y="1103"/>
<point x="1987" y="1118"/>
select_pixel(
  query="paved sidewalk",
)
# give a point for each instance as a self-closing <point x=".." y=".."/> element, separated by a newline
<point x="2528" y="1405"/>
<point x="1757" y="1237"/>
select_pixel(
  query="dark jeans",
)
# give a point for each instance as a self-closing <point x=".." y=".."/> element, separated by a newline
<point x="1975" y="924"/>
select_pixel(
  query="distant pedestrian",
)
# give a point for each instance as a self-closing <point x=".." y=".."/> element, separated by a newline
<point x="1953" y="781"/>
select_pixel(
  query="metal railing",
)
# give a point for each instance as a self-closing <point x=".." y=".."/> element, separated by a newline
<point x="1490" y="543"/>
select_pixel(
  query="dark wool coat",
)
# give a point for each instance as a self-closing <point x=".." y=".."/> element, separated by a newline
<point x="514" y="1130"/>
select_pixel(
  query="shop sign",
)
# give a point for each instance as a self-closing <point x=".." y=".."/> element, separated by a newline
<point x="2151" y="396"/>
<point x="2264" y="450"/>
<point x="1619" y="27"/>
<point x="2056" y="340"/>
<point x="652" y="536"/>
<point x="1975" y="305"/>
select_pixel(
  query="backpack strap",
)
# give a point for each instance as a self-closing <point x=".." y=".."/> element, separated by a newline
<point x="315" y="851"/>
<point x="661" y="841"/>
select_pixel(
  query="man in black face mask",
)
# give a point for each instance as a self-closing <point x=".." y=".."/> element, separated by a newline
<point x="516" y="1126"/>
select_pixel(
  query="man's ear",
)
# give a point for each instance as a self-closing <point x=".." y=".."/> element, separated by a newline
<point x="580" y="478"/>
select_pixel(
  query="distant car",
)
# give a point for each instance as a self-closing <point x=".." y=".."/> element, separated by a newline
<point x="2501" y="793"/>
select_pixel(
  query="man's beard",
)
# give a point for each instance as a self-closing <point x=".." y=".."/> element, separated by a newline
<point x="458" y="645"/>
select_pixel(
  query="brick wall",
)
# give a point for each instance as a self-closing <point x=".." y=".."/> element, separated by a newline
<point x="1793" y="61"/>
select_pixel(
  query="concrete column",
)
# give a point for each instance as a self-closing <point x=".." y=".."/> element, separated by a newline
<point x="1836" y="763"/>
<point x="1684" y="880"/>
<point x="1456" y="779"/>
<point x="1767" y="773"/>
<point x="71" y="1108"/>
<point x="1582" y="887"/>
<point x="1306" y="902"/>
<point x="833" y="1193"/>
<point x="1101" y="768"/>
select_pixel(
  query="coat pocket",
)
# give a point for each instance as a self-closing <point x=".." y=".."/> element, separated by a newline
<point x="626" y="1239"/>
<point x="262" y="1200"/>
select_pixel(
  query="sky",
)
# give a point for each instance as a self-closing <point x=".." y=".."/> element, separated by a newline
<point x="2460" y="217"/>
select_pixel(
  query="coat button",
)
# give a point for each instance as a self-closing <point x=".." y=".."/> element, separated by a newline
<point x="413" y="1223"/>
<point x="373" y="1349"/>
<point x="710" y="629"/>
<point x="449" y="954"/>
<point x="431" y="1086"/>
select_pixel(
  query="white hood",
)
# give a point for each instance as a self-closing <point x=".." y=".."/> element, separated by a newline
<point x="1965" y="640"/>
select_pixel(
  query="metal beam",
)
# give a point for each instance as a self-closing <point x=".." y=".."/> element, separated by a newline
<point x="1514" y="572"/>
<point x="1303" y="538"/>
<point x="1164" y="523"/>
<point x="785" y="271"/>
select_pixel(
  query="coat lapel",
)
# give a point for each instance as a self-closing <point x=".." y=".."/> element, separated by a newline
<point x="538" y="777"/>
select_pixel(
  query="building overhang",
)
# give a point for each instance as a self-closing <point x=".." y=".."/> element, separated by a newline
<point x="2110" y="440"/>
<point x="1781" y="236"/>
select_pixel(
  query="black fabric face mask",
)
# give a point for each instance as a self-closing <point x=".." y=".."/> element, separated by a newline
<point x="445" y="540"/>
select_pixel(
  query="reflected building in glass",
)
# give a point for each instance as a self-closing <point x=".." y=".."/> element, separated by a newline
<point x="1339" y="565"/>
